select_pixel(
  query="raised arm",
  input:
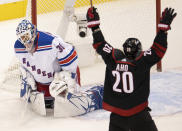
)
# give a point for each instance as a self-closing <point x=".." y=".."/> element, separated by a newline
<point x="103" y="48"/>
<point x="159" y="47"/>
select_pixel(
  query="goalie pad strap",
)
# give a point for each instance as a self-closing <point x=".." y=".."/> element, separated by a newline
<point x="78" y="75"/>
<point x="44" y="89"/>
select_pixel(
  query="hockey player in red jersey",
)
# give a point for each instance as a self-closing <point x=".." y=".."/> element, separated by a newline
<point x="50" y="76"/>
<point x="127" y="78"/>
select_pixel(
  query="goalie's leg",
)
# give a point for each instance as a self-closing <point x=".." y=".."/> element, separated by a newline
<point x="96" y="95"/>
<point x="49" y="100"/>
<point x="30" y="95"/>
<point x="79" y="103"/>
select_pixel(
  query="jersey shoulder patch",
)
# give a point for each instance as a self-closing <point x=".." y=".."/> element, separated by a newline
<point x="61" y="46"/>
<point x="19" y="47"/>
<point x="45" y="41"/>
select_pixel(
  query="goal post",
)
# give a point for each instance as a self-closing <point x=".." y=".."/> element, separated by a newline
<point x="34" y="12"/>
<point x="158" y="15"/>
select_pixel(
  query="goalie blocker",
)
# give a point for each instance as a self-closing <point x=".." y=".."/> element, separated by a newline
<point x="68" y="99"/>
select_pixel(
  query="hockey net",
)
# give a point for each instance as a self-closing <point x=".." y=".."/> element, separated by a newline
<point x="120" y="19"/>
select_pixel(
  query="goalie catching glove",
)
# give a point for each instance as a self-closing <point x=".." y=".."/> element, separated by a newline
<point x="167" y="17"/>
<point x="62" y="83"/>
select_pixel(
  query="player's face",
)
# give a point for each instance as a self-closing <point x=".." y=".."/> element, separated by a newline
<point x="29" y="46"/>
<point x="25" y="38"/>
<point x="27" y="41"/>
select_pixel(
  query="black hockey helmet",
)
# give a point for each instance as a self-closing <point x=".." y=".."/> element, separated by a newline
<point x="132" y="48"/>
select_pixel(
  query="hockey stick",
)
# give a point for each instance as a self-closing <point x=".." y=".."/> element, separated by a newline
<point x="91" y="4"/>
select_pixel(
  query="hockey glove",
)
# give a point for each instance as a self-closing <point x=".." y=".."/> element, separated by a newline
<point x="58" y="88"/>
<point x="62" y="83"/>
<point x="93" y="17"/>
<point x="167" y="17"/>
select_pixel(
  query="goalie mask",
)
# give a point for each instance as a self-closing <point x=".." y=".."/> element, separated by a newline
<point x="132" y="48"/>
<point x="26" y="33"/>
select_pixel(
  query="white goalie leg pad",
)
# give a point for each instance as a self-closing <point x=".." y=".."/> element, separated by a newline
<point x="75" y="106"/>
<point x="37" y="103"/>
<point x="79" y="103"/>
<point x="28" y="78"/>
<point x="28" y="93"/>
<point x="27" y="85"/>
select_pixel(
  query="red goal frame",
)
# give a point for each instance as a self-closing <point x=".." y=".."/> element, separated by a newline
<point x="158" y="15"/>
<point x="34" y="11"/>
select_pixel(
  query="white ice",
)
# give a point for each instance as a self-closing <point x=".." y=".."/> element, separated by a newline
<point x="132" y="19"/>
